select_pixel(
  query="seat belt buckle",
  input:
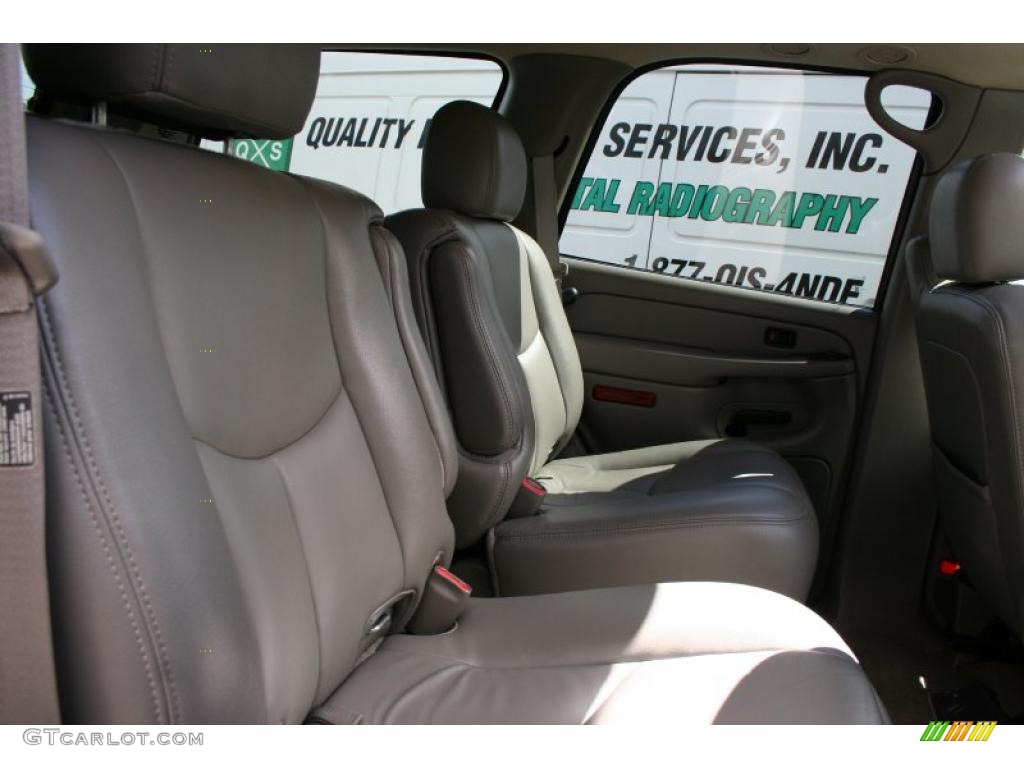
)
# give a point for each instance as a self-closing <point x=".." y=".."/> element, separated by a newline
<point x="528" y="500"/>
<point x="560" y="271"/>
<point x="444" y="599"/>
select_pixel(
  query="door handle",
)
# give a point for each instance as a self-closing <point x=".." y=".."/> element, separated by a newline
<point x="740" y="422"/>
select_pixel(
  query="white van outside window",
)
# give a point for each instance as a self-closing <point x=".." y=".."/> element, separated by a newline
<point x="765" y="179"/>
<point x="369" y="118"/>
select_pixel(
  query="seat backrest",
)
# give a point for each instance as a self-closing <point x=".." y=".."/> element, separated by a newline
<point x="490" y="313"/>
<point x="243" y="486"/>
<point x="971" y="340"/>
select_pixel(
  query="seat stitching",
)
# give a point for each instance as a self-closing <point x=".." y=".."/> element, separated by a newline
<point x="309" y="574"/>
<point x="495" y="511"/>
<point x="421" y="285"/>
<point x="138" y="584"/>
<point x="393" y="282"/>
<point x="488" y="347"/>
<point x="51" y="399"/>
<point x="446" y="232"/>
<point x="283" y="446"/>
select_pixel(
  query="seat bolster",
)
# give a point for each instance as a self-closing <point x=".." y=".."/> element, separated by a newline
<point x="475" y="361"/>
<point x="461" y="317"/>
<point x="554" y="327"/>
<point x="485" y="384"/>
<point x="395" y="273"/>
<point x="566" y="658"/>
<point x="486" y="392"/>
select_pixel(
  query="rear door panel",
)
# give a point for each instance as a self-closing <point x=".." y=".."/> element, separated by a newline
<point x="701" y="351"/>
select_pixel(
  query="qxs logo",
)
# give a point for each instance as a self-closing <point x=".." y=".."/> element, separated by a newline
<point x="959" y="730"/>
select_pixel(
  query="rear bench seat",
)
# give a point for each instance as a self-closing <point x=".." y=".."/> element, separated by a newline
<point x="245" y="492"/>
<point x="711" y="510"/>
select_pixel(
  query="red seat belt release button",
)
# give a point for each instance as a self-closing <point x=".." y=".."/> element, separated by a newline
<point x="949" y="567"/>
<point x="451" y="578"/>
<point x="444" y="599"/>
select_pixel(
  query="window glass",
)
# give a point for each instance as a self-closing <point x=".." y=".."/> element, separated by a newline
<point x="369" y="118"/>
<point x="763" y="179"/>
<point x="27" y="86"/>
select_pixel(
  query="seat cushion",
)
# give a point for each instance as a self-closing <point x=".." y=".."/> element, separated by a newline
<point x="663" y="468"/>
<point x="672" y="653"/>
<point x="720" y="510"/>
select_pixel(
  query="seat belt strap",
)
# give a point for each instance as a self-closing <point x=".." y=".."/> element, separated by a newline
<point x="545" y="207"/>
<point x="28" y="689"/>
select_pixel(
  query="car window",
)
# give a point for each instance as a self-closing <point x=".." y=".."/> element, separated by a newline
<point x="763" y="179"/>
<point x="369" y="119"/>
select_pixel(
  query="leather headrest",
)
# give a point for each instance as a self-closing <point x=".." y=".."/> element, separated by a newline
<point x="976" y="222"/>
<point x="473" y="163"/>
<point x="216" y="91"/>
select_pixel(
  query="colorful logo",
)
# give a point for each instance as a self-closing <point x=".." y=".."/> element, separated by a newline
<point x="275" y="155"/>
<point x="959" y="730"/>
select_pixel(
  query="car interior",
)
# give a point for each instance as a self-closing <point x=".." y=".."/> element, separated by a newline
<point x="276" y="449"/>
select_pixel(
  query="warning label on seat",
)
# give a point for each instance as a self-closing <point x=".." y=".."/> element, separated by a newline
<point x="17" y="439"/>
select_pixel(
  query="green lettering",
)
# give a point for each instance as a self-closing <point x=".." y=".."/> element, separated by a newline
<point x="810" y="205"/>
<point x="585" y="182"/>
<point x="641" y="197"/>
<point x="663" y="199"/>
<point x="736" y="205"/>
<point x="714" y="203"/>
<point x="833" y="211"/>
<point x="858" y="210"/>
<point x="681" y="200"/>
<point x="595" y="196"/>
<point x="609" y="205"/>
<point x="698" y="201"/>
<point x="760" y="209"/>
<point x="783" y="211"/>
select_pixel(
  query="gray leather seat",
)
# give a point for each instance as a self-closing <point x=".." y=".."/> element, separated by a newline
<point x="493" y="321"/>
<point x="245" y="490"/>
<point x="971" y="338"/>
